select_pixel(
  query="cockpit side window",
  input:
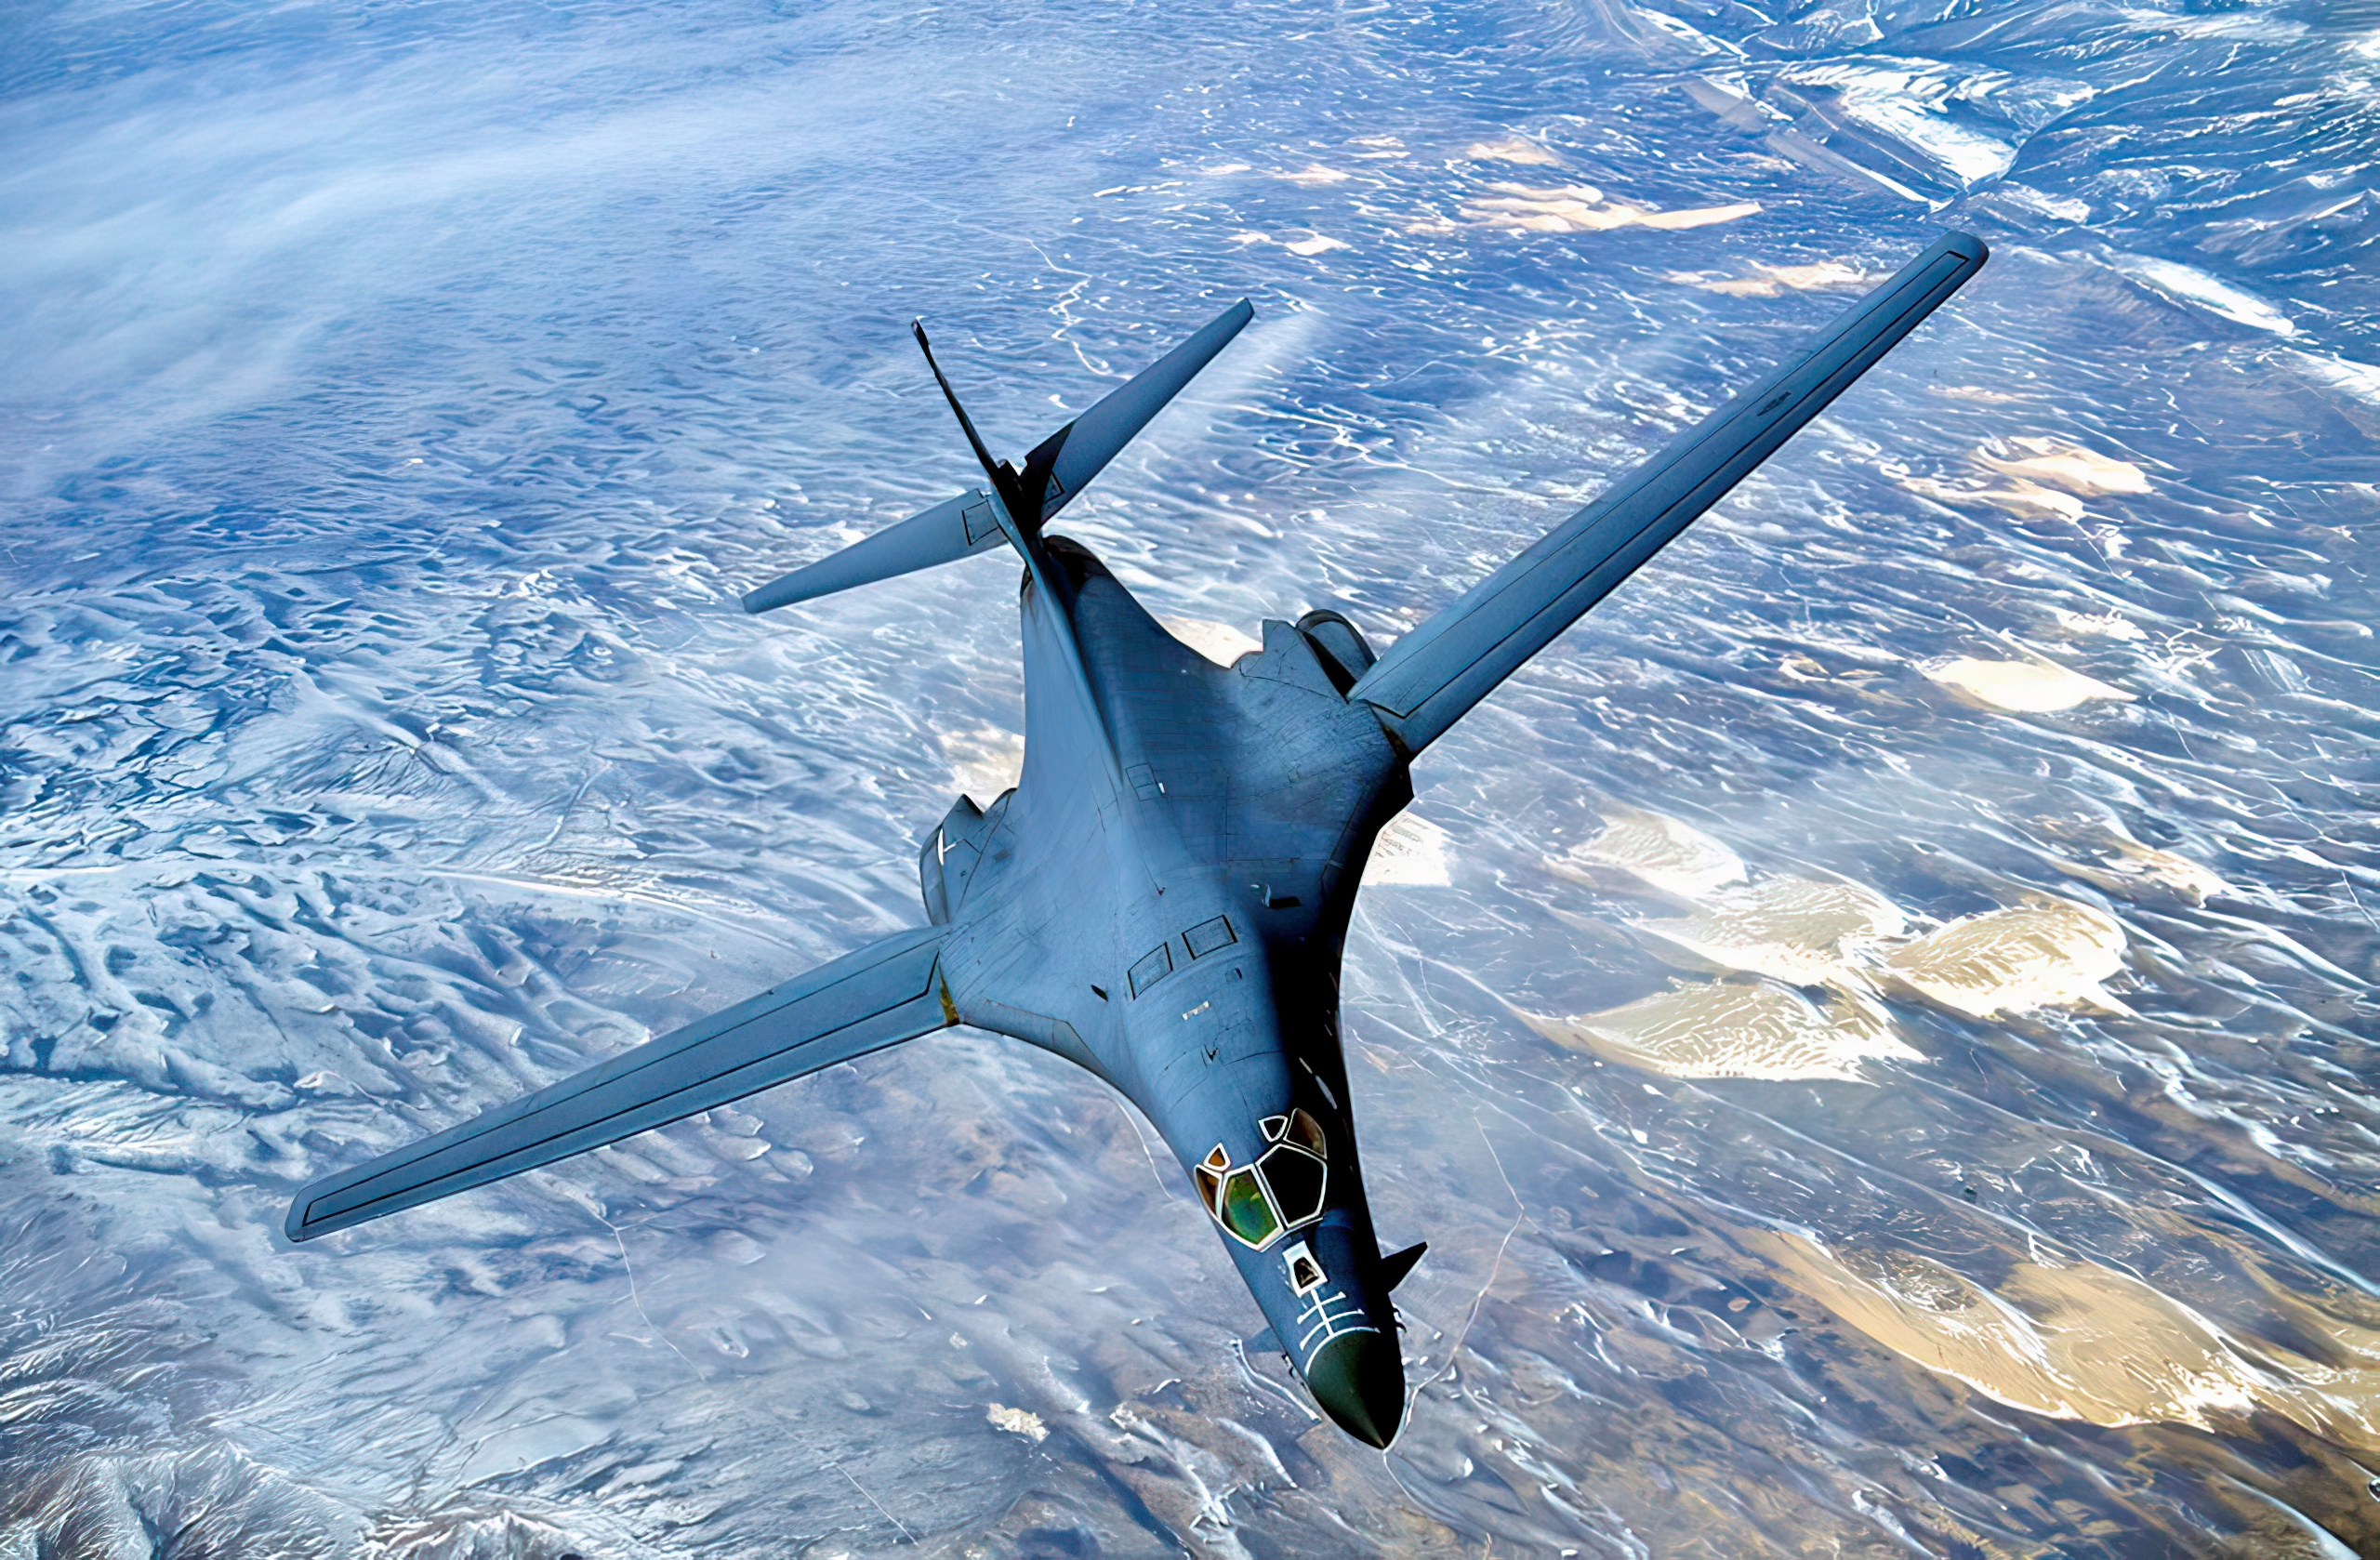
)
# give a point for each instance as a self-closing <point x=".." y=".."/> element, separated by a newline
<point x="1208" y="1174"/>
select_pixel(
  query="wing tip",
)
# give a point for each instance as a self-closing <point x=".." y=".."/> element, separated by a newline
<point x="1967" y="246"/>
<point x="295" y="1226"/>
<point x="300" y="1225"/>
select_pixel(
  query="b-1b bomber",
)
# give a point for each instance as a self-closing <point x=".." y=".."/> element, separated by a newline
<point x="1164" y="895"/>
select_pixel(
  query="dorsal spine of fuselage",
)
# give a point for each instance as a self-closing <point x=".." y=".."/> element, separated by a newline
<point x="1054" y="471"/>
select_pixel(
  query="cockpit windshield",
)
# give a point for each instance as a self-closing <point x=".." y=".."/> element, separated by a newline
<point x="1295" y="1177"/>
<point x="1282" y="1189"/>
<point x="1245" y="1212"/>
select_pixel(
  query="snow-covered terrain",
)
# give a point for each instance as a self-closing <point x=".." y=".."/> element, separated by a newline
<point x="1875" y="1024"/>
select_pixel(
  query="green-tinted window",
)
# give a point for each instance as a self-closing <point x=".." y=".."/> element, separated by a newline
<point x="1246" y="1213"/>
<point x="1296" y="1181"/>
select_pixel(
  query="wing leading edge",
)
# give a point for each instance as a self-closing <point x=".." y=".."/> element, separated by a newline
<point x="1431" y="677"/>
<point x="883" y="994"/>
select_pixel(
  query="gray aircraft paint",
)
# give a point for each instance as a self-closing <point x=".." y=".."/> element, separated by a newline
<point x="1164" y="895"/>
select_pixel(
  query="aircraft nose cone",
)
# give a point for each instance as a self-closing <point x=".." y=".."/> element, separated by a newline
<point x="1359" y="1379"/>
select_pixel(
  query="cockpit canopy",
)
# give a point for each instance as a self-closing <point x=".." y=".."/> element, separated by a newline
<point x="1282" y="1189"/>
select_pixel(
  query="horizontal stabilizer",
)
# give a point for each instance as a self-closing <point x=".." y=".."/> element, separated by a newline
<point x="953" y="529"/>
<point x="1428" y="678"/>
<point x="1074" y="455"/>
<point x="883" y="994"/>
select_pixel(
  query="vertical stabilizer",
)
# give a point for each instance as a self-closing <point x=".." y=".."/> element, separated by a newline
<point x="1001" y="475"/>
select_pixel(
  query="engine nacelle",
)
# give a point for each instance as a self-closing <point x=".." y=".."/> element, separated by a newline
<point x="949" y="858"/>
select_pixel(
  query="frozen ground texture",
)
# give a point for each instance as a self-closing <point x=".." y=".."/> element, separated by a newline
<point x="1874" y="1024"/>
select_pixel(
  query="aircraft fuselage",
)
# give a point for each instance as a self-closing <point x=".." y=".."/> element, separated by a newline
<point x="1164" y="895"/>
<point x="1163" y="899"/>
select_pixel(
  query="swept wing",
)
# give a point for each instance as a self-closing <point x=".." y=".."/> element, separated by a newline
<point x="883" y="994"/>
<point x="1433" y="675"/>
